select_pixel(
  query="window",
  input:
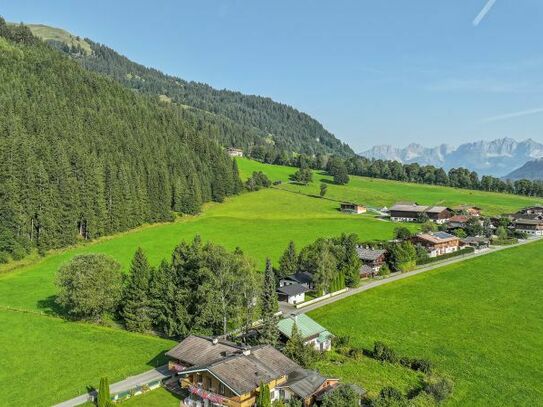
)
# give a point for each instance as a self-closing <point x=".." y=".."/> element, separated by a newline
<point x="222" y="390"/>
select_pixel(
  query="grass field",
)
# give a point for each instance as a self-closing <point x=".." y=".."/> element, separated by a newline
<point x="480" y="321"/>
<point x="56" y="360"/>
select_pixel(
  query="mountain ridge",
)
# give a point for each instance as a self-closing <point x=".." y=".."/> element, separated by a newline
<point x="243" y="120"/>
<point x="495" y="157"/>
<point x="532" y="170"/>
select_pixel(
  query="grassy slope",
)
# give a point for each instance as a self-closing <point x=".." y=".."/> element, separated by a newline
<point x="261" y="223"/>
<point x="51" y="33"/>
<point x="479" y="321"/>
<point x="378" y="192"/>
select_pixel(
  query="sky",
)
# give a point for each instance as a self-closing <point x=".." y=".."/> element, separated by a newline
<point x="372" y="72"/>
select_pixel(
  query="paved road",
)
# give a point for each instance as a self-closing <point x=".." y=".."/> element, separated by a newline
<point x="401" y="276"/>
<point x="131" y="382"/>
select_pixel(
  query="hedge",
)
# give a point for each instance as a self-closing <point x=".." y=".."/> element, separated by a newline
<point x="466" y="250"/>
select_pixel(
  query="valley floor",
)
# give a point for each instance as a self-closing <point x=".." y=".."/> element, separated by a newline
<point x="449" y="315"/>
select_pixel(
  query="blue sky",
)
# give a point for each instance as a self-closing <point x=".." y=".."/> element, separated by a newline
<point x="372" y="72"/>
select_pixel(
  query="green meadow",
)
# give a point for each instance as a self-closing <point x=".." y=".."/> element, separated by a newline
<point x="55" y="359"/>
<point x="479" y="321"/>
<point x="378" y="193"/>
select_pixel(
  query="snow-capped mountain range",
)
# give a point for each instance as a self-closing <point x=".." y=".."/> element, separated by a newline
<point x="497" y="157"/>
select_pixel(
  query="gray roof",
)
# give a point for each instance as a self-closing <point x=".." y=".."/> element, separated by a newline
<point x="523" y="221"/>
<point x="304" y="383"/>
<point x="302" y="278"/>
<point x="442" y="235"/>
<point x="200" y="350"/>
<point x="369" y="254"/>
<point x="408" y="208"/>
<point x="436" y="209"/>
<point x="292" y="289"/>
<point x="244" y="372"/>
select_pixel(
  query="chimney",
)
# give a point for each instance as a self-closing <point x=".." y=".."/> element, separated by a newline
<point x="246" y="352"/>
<point x="294" y="317"/>
<point x="215" y="341"/>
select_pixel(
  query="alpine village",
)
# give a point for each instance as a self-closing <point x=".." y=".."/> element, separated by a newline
<point x="164" y="243"/>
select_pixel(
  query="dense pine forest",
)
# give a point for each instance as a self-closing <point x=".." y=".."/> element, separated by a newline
<point x="238" y="120"/>
<point x="81" y="156"/>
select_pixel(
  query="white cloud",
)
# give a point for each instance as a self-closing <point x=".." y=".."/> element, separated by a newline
<point x="513" y="115"/>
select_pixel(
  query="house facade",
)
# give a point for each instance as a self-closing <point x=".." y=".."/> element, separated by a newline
<point x="312" y="333"/>
<point x="372" y="261"/>
<point x="347" y="207"/>
<point x="438" y="243"/>
<point x="413" y="212"/>
<point x="533" y="227"/>
<point x="222" y="374"/>
<point x="292" y="293"/>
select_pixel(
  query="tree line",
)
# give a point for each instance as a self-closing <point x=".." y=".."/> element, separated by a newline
<point x="83" y="157"/>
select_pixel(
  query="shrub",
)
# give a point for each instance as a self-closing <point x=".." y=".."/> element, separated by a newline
<point x="421" y="365"/>
<point x="439" y="388"/>
<point x="390" y="397"/>
<point x="384" y="353"/>
<point x="384" y="271"/>
<point x="4" y="257"/>
<point x="341" y="341"/>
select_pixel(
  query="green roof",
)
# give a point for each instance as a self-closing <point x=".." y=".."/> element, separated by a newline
<point x="306" y="326"/>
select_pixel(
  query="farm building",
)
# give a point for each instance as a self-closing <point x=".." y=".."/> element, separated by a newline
<point x="292" y="293"/>
<point x="347" y="207"/>
<point x="533" y="226"/>
<point x="312" y="333"/>
<point x="438" y="243"/>
<point x="234" y="152"/>
<point x="531" y="210"/>
<point x="220" y="373"/>
<point x="414" y="212"/>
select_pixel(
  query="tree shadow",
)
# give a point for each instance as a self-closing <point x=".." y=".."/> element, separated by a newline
<point x="158" y="360"/>
<point x="50" y="307"/>
<point x="327" y="181"/>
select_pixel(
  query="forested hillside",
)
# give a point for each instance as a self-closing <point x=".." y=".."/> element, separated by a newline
<point x="239" y="120"/>
<point x="81" y="156"/>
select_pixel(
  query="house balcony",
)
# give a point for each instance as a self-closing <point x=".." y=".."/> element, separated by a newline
<point x="199" y="397"/>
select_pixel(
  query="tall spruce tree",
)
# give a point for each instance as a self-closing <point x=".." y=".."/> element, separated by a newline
<point x="104" y="396"/>
<point x="270" y="306"/>
<point x="136" y="303"/>
<point x="288" y="263"/>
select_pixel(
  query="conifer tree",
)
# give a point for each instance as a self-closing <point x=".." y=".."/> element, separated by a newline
<point x="288" y="263"/>
<point x="136" y="304"/>
<point x="270" y="306"/>
<point x="264" y="397"/>
<point x="104" y="396"/>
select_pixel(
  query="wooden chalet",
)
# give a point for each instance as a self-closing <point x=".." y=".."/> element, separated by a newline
<point x="372" y="261"/>
<point x="536" y="210"/>
<point x="477" y="242"/>
<point x="220" y="373"/>
<point x="347" y="207"/>
<point x="412" y="213"/>
<point x="438" y="243"/>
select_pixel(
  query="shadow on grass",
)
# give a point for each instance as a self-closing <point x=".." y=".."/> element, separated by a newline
<point x="158" y="360"/>
<point x="50" y="307"/>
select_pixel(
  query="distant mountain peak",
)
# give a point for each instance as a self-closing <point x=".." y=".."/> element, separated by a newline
<point x="487" y="157"/>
